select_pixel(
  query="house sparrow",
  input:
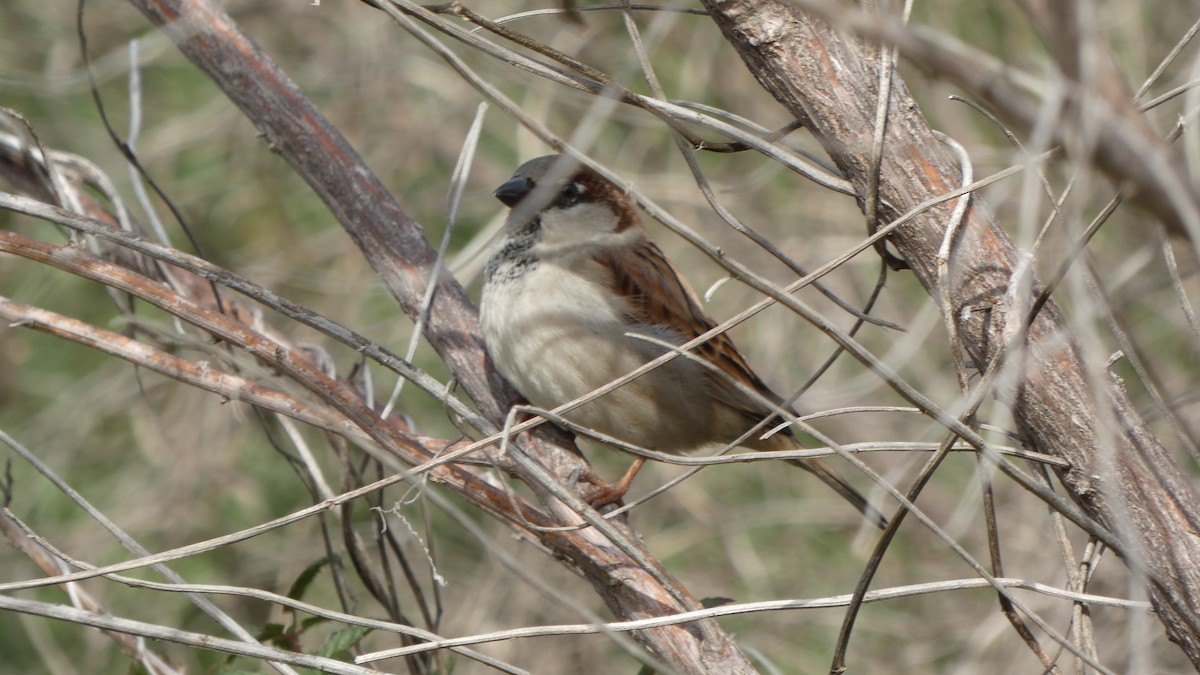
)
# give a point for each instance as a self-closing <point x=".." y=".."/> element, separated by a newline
<point x="572" y="278"/>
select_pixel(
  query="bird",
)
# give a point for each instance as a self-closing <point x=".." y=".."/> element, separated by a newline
<point x="576" y="295"/>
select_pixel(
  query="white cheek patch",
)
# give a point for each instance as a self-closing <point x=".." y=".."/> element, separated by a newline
<point x="586" y="225"/>
<point x="578" y="222"/>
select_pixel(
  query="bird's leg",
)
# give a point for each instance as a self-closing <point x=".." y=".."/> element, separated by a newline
<point x="607" y="493"/>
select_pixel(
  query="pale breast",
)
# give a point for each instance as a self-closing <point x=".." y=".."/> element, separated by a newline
<point x="556" y="334"/>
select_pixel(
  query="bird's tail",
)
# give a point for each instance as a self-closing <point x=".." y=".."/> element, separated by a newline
<point x="846" y="490"/>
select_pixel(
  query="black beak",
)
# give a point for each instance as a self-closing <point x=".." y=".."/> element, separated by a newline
<point x="514" y="190"/>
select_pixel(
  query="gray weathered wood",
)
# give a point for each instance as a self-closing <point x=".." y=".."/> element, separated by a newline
<point x="1119" y="472"/>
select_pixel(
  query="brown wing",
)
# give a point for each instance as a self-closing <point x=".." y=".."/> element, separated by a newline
<point x="659" y="296"/>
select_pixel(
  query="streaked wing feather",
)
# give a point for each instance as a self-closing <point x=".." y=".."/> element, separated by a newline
<point x="658" y="295"/>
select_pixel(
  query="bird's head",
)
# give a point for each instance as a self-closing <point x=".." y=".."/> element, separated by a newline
<point x="567" y="206"/>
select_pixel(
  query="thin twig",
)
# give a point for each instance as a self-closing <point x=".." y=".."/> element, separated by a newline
<point x="765" y="606"/>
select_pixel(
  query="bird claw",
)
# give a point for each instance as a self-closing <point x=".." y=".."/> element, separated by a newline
<point x="611" y="493"/>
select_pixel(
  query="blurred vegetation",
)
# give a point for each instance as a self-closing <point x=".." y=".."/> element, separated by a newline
<point x="172" y="465"/>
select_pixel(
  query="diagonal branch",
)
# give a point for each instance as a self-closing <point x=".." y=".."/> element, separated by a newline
<point x="1120" y="473"/>
<point x="1118" y="142"/>
<point x="397" y="249"/>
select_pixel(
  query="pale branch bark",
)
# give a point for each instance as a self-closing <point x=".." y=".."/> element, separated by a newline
<point x="81" y="599"/>
<point x="397" y="249"/>
<point x="1095" y="125"/>
<point x="1102" y="121"/>
<point x="1119" y="472"/>
<point x="115" y="624"/>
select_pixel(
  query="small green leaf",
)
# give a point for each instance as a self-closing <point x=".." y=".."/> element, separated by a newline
<point x="302" y="582"/>
<point x="342" y="640"/>
<point x="272" y="632"/>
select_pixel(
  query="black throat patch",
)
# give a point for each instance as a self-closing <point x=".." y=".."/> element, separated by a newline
<point x="513" y="259"/>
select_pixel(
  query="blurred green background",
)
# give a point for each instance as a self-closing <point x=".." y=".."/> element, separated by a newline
<point x="173" y="465"/>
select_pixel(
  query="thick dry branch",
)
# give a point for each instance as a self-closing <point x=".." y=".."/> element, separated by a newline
<point x="1095" y="125"/>
<point x="397" y="249"/>
<point x="1119" y="472"/>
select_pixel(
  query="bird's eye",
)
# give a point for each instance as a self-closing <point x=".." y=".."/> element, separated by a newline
<point x="569" y="196"/>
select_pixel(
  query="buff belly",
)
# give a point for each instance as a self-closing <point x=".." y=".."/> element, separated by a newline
<point x="556" y="335"/>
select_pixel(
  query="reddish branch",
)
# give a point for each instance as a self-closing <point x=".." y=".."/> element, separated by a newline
<point x="297" y="366"/>
<point x="396" y="248"/>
